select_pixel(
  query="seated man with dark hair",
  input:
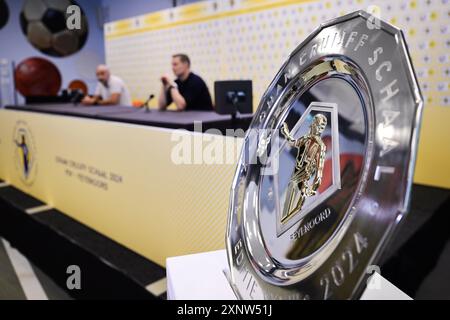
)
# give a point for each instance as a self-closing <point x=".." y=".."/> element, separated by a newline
<point x="188" y="91"/>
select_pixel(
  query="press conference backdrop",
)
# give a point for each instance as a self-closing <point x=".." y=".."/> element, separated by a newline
<point x="250" y="39"/>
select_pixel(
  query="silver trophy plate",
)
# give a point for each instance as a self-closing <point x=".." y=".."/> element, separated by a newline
<point x="326" y="168"/>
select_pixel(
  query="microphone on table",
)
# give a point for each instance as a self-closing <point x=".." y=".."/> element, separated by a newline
<point x="77" y="97"/>
<point x="145" y="104"/>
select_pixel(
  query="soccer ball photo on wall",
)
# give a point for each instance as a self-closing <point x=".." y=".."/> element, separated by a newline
<point x="44" y="25"/>
<point x="4" y="13"/>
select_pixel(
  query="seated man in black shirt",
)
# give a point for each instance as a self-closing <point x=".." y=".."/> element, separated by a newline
<point x="188" y="91"/>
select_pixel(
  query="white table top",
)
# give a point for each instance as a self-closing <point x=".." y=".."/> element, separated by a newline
<point x="202" y="277"/>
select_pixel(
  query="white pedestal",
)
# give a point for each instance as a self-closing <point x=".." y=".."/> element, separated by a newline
<point x="201" y="277"/>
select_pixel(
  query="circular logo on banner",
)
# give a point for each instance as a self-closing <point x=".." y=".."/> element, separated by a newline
<point x="25" y="154"/>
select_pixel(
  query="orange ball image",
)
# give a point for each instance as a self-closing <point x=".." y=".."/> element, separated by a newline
<point x="37" y="77"/>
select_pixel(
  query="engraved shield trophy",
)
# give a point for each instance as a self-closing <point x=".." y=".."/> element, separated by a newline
<point x="326" y="167"/>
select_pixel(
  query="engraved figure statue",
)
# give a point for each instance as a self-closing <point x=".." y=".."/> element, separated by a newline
<point x="309" y="163"/>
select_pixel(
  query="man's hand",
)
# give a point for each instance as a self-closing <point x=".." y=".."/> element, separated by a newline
<point x="166" y="81"/>
<point x="177" y="98"/>
<point x="88" y="100"/>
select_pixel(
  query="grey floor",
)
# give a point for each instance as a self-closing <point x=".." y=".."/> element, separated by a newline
<point x="437" y="284"/>
<point x="18" y="283"/>
<point x="21" y="280"/>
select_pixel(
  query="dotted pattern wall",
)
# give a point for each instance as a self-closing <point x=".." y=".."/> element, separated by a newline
<point x="250" y="39"/>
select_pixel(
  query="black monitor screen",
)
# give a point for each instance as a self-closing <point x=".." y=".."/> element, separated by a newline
<point x="233" y="95"/>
